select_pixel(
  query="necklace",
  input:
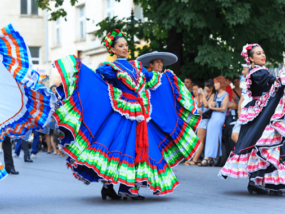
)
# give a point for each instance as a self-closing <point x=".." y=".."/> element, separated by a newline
<point x="131" y="71"/>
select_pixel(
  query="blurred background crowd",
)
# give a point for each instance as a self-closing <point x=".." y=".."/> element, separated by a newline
<point x="223" y="97"/>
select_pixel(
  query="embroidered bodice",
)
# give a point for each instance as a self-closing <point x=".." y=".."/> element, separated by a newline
<point x="127" y="76"/>
<point x="128" y="84"/>
<point x="259" y="81"/>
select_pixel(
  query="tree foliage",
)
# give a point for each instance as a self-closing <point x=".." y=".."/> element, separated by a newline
<point x="59" y="12"/>
<point x="207" y="36"/>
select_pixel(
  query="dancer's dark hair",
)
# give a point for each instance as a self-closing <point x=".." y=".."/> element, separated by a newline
<point x="210" y="84"/>
<point x="250" y="52"/>
<point x="115" y="41"/>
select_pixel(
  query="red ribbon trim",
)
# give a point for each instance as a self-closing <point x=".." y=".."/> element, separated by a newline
<point x="141" y="133"/>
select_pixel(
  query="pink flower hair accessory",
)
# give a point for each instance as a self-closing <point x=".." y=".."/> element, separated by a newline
<point x="245" y="49"/>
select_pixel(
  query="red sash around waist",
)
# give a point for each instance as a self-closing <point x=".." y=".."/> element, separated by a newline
<point x="141" y="132"/>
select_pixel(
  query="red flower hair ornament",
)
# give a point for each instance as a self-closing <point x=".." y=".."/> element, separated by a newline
<point x="245" y="49"/>
<point x="110" y="39"/>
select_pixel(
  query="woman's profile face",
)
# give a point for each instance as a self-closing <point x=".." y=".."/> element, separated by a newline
<point x="195" y="90"/>
<point x="259" y="56"/>
<point x="208" y="89"/>
<point x="217" y="85"/>
<point x="121" y="48"/>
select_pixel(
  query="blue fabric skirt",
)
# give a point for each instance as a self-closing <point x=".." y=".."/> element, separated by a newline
<point x="101" y="143"/>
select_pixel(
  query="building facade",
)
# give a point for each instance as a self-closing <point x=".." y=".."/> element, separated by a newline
<point x="51" y="40"/>
<point x="76" y="35"/>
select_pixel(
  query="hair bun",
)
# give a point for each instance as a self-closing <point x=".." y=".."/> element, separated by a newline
<point x="244" y="53"/>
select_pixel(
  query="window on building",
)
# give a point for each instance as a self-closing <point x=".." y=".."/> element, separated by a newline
<point x="110" y="8"/>
<point x="35" y="54"/>
<point x="34" y="7"/>
<point x="24" y="6"/>
<point x="29" y="7"/>
<point x="57" y="33"/>
<point x="82" y="23"/>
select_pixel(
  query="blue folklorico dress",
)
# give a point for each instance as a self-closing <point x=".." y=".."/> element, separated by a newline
<point x="260" y="151"/>
<point x="24" y="103"/>
<point x="123" y="124"/>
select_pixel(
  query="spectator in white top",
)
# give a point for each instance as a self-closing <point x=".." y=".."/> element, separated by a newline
<point x="245" y="99"/>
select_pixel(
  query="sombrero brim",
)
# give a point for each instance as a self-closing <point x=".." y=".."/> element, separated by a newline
<point x="168" y="58"/>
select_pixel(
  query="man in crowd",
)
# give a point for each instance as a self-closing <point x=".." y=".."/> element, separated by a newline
<point x="35" y="144"/>
<point x="24" y="144"/>
<point x="156" y="65"/>
<point x="189" y="85"/>
<point x="156" y="60"/>
<point x="233" y="107"/>
<point x="245" y="99"/>
<point x="229" y="88"/>
<point x="237" y="89"/>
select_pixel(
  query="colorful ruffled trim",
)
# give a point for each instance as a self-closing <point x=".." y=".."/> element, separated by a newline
<point x="248" y="81"/>
<point x="38" y="102"/>
<point x="183" y="142"/>
<point x="16" y="57"/>
<point x="186" y="108"/>
<point x="135" y="85"/>
<point x="68" y="69"/>
<point x="154" y="82"/>
<point x="111" y="165"/>
<point x="104" y="164"/>
<point x="69" y="76"/>
<point x="183" y="96"/>
<point x="3" y="172"/>
<point x="250" y="113"/>
<point x="130" y="109"/>
<point x="264" y="162"/>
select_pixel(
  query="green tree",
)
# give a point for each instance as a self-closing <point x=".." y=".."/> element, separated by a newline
<point x="207" y="36"/>
<point x="59" y="12"/>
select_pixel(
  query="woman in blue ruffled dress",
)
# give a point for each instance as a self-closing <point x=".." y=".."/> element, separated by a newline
<point x="123" y="124"/>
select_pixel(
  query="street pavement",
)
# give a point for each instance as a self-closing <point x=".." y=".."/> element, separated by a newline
<point x="47" y="187"/>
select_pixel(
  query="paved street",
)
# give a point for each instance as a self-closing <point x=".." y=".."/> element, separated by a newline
<point x="47" y="186"/>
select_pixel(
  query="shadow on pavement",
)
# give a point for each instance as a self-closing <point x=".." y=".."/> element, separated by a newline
<point x="98" y="200"/>
<point x="246" y="194"/>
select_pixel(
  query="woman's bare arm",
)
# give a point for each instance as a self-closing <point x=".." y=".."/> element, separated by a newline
<point x="224" y="105"/>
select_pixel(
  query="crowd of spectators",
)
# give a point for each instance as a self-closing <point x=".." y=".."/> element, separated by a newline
<point x="218" y="103"/>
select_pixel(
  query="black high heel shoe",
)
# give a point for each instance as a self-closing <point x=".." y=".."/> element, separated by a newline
<point x="109" y="192"/>
<point x="253" y="189"/>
